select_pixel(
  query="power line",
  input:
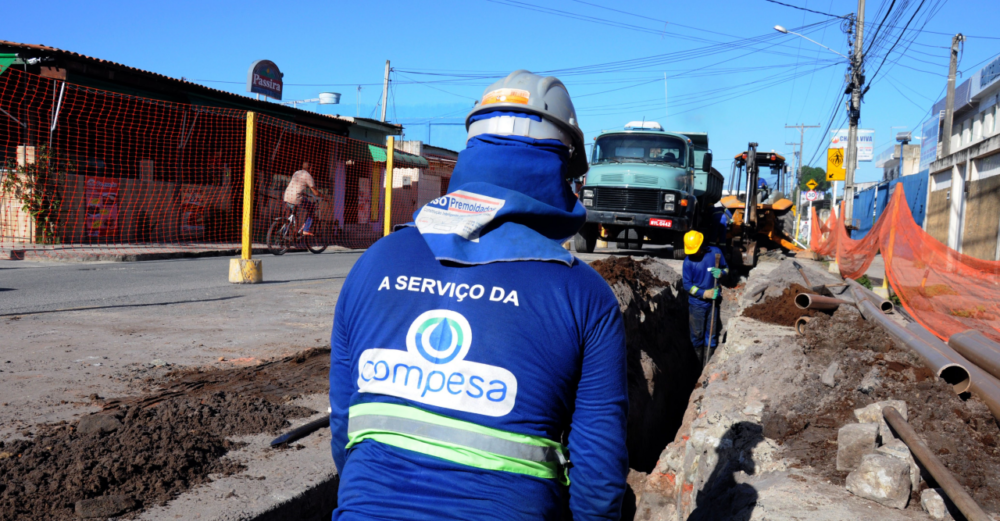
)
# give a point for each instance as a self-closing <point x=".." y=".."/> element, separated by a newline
<point x="804" y="9"/>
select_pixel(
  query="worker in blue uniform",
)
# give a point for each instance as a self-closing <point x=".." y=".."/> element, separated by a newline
<point x="478" y="369"/>
<point x="700" y="276"/>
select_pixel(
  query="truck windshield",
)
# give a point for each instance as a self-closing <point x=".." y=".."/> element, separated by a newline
<point x="624" y="148"/>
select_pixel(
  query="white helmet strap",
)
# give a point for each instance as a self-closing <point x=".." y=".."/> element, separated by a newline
<point x="519" y="126"/>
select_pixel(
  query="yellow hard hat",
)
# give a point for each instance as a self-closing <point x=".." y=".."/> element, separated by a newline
<point x="692" y="242"/>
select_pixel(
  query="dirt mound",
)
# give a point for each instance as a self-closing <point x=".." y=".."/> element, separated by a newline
<point x="781" y="310"/>
<point x="152" y="448"/>
<point x="962" y="433"/>
<point x="627" y="270"/>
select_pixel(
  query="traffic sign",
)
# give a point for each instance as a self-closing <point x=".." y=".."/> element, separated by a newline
<point x="812" y="184"/>
<point x="835" y="164"/>
<point x="811" y="195"/>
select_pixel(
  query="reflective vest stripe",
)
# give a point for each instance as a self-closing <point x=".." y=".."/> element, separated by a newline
<point x="455" y="440"/>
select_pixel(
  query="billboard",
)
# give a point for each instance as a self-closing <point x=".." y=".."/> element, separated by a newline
<point x="929" y="141"/>
<point x="866" y="142"/>
<point x="265" y="78"/>
<point x="984" y="78"/>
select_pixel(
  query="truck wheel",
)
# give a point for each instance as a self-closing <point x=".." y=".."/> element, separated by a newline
<point x="679" y="252"/>
<point x="629" y="239"/>
<point x="586" y="240"/>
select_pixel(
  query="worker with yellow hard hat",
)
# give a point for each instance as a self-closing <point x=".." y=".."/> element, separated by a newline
<point x="701" y="282"/>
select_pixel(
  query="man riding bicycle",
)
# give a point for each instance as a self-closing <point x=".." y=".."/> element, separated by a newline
<point x="302" y="180"/>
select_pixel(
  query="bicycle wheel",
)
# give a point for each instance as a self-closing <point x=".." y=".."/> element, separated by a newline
<point x="277" y="238"/>
<point x="317" y="242"/>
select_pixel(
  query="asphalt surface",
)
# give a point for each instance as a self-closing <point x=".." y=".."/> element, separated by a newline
<point x="45" y="287"/>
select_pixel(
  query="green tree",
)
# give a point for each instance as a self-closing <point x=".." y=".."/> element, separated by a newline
<point x="810" y="172"/>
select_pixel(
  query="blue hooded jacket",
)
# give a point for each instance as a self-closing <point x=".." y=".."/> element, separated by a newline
<point x="542" y="328"/>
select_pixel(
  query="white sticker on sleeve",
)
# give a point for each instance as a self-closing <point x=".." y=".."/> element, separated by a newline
<point x="461" y="213"/>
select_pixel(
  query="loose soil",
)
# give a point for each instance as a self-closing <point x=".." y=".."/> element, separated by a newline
<point x="781" y="310"/>
<point x="156" y="446"/>
<point x="627" y="270"/>
<point x="962" y="432"/>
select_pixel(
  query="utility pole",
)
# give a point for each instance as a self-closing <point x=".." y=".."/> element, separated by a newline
<point x="385" y="88"/>
<point x="949" y="104"/>
<point x="854" y="114"/>
<point x="798" y="171"/>
<point x="798" y="174"/>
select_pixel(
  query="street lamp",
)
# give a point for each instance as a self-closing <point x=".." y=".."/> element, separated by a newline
<point x="782" y="30"/>
<point x="325" y="98"/>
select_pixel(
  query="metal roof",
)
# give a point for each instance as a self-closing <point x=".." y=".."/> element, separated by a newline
<point x="370" y="123"/>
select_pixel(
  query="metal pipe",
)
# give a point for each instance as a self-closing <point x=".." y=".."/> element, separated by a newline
<point x="800" y="325"/>
<point x="808" y="301"/>
<point x="956" y="375"/>
<point x="944" y="478"/>
<point x="867" y="294"/>
<point x="976" y="351"/>
<point x="981" y="383"/>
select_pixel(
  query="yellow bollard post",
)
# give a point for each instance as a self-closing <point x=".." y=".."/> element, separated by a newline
<point x="245" y="270"/>
<point x="390" y="148"/>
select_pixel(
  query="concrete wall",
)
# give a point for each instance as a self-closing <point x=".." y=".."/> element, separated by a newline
<point x="982" y="219"/>
<point x="938" y="212"/>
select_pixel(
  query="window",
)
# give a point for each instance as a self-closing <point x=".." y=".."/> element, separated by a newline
<point x="639" y="148"/>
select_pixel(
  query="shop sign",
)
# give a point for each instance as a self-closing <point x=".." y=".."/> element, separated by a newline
<point x="265" y="78"/>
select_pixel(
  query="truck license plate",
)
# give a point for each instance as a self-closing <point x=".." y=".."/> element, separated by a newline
<point x="661" y="223"/>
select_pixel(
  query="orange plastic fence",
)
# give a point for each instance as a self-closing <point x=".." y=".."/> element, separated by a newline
<point x="945" y="291"/>
<point x="93" y="172"/>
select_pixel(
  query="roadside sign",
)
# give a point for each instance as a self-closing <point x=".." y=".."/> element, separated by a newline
<point x="811" y="195"/>
<point x="835" y="170"/>
<point x="812" y="184"/>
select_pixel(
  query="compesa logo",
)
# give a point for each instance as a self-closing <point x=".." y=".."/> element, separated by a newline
<point x="433" y="369"/>
<point x="440" y="336"/>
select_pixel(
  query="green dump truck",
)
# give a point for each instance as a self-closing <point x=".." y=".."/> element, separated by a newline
<point x="647" y="185"/>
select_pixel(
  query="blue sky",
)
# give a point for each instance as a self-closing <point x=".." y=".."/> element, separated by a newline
<point x="444" y="53"/>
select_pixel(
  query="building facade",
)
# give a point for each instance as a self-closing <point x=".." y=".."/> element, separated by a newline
<point x="963" y="206"/>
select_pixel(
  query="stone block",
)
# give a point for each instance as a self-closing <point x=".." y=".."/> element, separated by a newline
<point x="897" y="449"/>
<point x="873" y="414"/>
<point x="98" y="423"/>
<point x="933" y="503"/>
<point x="104" y="506"/>
<point x="853" y="442"/>
<point x="882" y="479"/>
<point x="829" y="377"/>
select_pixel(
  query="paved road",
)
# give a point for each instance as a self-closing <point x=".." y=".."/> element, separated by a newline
<point x="33" y="287"/>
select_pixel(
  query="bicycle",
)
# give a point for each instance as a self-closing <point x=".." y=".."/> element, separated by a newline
<point x="284" y="233"/>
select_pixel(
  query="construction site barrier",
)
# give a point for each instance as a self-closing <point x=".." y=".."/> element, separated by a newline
<point x="945" y="291"/>
<point x="88" y="171"/>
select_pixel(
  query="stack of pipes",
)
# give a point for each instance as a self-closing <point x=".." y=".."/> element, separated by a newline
<point x="970" y="362"/>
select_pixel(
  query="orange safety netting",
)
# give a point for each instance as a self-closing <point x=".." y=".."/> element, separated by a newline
<point x="945" y="291"/>
<point x="93" y="172"/>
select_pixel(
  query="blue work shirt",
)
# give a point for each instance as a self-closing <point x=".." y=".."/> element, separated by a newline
<point x="697" y="278"/>
<point x="545" y="341"/>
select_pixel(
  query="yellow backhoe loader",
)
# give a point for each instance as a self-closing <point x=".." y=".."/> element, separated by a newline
<point x="770" y="221"/>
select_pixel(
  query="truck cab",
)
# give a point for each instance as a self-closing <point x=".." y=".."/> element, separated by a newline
<point x="647" y="185"/>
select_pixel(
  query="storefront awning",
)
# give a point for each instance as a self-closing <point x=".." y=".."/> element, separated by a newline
<point x="399" y="159"/>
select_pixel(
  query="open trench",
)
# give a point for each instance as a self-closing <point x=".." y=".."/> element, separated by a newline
<point x="759" y="434"/>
